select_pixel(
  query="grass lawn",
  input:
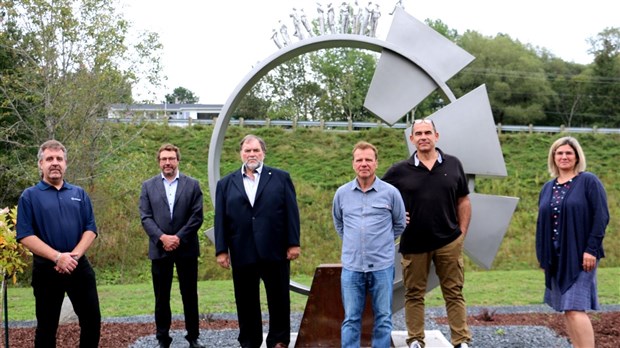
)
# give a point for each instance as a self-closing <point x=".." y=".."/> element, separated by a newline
<point x="488" y="288"/>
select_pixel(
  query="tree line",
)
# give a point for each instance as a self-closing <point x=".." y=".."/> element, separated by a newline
<point x="526" y="84"/>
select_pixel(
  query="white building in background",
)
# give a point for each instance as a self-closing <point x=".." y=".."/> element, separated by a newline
<point x="169" y="111"/>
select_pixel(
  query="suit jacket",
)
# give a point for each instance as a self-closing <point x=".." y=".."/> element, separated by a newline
<point x="187" y="216"/>
<point x="262" y="232"/>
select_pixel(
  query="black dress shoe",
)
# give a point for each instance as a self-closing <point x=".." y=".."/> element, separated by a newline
<point x="195" y="344"/>
<point x="164" y="344"/>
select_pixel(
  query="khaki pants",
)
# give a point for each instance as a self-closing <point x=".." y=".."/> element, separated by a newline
<point x="448" y="262"/>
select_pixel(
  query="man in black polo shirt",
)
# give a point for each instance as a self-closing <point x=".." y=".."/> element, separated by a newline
<point x="55" y="221"/>
<point x="434" y="188"/>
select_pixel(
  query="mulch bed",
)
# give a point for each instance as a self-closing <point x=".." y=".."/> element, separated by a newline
<point x="606" y="324"/>
<point x="113" y="335"/>
<point x="118" y="335"/>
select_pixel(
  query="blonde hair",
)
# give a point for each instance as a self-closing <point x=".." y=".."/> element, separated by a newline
<point x="362" y="145"/>
<point x="580" y="166"/>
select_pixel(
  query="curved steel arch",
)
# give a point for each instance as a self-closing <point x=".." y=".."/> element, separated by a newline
<point x="415" y="61"/>
<point x="281" y="56"/>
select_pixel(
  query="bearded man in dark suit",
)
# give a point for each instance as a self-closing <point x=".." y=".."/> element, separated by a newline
<point x="257" y="231"/>
<point x="171" y="213"/>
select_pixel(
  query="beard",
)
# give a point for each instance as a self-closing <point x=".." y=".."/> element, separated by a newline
<point x="252" y="165"/>
<point x="169" y="172"/>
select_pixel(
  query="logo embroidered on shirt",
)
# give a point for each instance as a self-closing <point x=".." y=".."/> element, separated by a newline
<point x="76" y="199"/>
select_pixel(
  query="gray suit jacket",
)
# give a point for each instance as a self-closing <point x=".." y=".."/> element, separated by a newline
<point x="187" y="216"/>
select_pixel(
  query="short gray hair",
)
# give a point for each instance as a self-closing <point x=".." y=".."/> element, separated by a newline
<point x="248" y="137"/>
<point x="54" y="145"/>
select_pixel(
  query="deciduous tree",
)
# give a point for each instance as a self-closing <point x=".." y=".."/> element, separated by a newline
<point x="569" y="82"/>
<point x="62" y="63"/>
<point x="181" y="95"/>
<point x="344" y="75"/>
<point x="254" y="104"/>
<point x="513" y="73"/>
<point x="604" y="101"/>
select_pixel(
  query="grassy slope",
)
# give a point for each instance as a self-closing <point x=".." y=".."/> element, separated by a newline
<point x="319" y="162"/>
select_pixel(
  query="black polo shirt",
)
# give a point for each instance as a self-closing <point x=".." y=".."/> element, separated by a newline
<point x="431" y="198"/>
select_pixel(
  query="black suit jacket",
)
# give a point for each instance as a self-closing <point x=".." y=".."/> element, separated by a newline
<point x="261" y="232"/>
<point x="187" y="215"/>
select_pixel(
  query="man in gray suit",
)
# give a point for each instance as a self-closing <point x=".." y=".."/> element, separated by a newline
<point x="171" y="214"/>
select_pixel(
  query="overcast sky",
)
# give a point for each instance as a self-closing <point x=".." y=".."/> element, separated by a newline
<point x="210" y="45"/>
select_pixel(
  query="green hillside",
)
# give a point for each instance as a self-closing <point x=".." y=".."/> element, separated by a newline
<point x="319" y="162"/>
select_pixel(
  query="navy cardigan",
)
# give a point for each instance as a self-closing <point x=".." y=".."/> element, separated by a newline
<point x="584" y="217"/>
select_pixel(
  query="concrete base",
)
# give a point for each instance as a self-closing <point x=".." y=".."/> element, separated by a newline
<point x="434" y="339"/>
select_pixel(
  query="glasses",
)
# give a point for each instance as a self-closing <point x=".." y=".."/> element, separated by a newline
<point x="166" y="159"/>
<point x="423" y="120"/>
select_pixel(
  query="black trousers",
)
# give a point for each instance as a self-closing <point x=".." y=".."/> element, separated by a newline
<point x="187" y="273"/>
<point x="246" y="279"/>
<point x="49" y="289"/>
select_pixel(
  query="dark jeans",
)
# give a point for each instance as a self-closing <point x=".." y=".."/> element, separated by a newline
<point x="246" y="279"/>
<point x="49" y="289"/>
<point x="187" y="272"/>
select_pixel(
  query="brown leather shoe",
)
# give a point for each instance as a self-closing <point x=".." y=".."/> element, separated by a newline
<point x="281" y="345"/>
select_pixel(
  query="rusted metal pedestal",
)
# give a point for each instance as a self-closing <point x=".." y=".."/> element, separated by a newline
<point x="323" y="315"/>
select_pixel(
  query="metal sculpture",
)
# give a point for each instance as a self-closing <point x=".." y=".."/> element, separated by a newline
<point x="415" y="61"/>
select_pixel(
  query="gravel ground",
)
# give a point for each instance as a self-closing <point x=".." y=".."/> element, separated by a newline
<point x="483" y="336"/>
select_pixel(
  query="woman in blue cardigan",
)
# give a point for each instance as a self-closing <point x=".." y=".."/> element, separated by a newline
<point x="572" y="218"/>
